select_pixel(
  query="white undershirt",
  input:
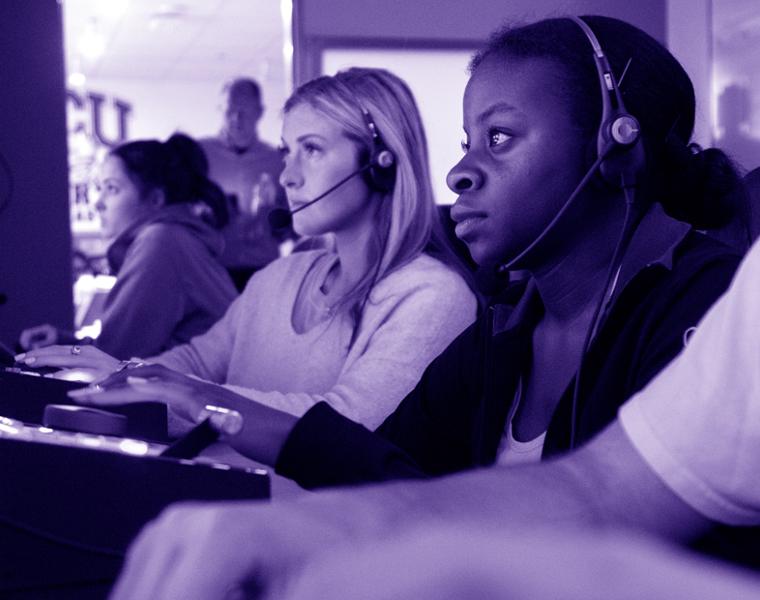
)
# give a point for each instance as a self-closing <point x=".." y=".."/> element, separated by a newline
<point x="513" y="452"/>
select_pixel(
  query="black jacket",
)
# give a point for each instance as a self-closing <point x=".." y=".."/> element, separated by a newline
<point x="454" y="418"/>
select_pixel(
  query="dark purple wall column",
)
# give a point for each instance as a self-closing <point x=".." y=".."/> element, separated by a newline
<point x="35" y="239"/>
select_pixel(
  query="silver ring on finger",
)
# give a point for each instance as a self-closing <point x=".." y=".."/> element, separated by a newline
<point x="76" y="350"/>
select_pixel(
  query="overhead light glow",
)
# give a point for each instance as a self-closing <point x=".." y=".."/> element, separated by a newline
<point x="286" y="12"/>
<point x="114" y="8"/>
<point x="77" y="79"/>
<point x="92" y="44"/>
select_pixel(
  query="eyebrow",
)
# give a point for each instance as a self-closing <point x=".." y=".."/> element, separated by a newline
<point x="306" y="136"/>
<point x="301" y="138"/>
<point x="496" y="108"/>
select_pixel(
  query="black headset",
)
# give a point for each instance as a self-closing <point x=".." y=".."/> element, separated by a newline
<point x="620" y="155"/>
<point x="381" y="172"/>
<point x="619" y="136"/>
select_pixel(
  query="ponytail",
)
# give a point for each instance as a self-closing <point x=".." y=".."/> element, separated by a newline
<point x="186" y="178"/>
<point x="179" y="168"/>
<point x="702" y="187"/>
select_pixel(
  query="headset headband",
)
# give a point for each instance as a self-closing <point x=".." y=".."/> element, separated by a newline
<point x="381" y="174"/>
<point x="618" y="128"/>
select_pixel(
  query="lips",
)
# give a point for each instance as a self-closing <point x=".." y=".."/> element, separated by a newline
<point x="465" y="229"/>
<point x="296" y="204"/>
<point x="467" y="220"/>
<point x="460" y="212"/>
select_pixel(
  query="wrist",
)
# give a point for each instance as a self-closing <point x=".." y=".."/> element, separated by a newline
<point x="261" y="430"/>
<point x="226" y="421"/>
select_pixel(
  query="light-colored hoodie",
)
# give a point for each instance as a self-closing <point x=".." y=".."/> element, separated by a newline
<point x="170" y="285"/>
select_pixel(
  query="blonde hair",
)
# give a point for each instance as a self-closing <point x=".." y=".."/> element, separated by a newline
<point x="408" y="222"/>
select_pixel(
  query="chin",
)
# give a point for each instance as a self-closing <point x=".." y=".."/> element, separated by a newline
<point x="492" y="257"/>
<point x="307" y="227"/>
<point x="480" y="254"/>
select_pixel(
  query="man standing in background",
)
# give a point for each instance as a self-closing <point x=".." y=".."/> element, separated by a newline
<point x="248" y="171"/>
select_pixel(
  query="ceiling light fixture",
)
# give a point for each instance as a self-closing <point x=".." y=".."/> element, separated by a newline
<point x="91" y="44"/>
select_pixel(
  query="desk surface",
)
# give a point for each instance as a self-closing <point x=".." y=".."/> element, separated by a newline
<point x="281" y="487"/>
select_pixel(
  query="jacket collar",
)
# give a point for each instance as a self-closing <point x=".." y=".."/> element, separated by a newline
<point x="653" y="243"/>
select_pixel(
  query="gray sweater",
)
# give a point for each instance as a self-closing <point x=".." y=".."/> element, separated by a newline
<point x="411" y="316"/>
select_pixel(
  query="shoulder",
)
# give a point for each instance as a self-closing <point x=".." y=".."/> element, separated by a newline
<point x="702" y="261"/>
<point x="697" y="248"/>
<point x="663" y="304"/>
<point x="700" y="270"/>
<point x="289" y="270"/>
<point x="164" y="234"/>
<point x="211" y="144"/>
<point x="168" y="242"/>
<point x="152" y="253"/>
<point x="425" y="274"/>
<point x="426" y="270"/>
<point x="211" y="141"/>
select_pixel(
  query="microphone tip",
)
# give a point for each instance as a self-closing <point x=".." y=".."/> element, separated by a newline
<point x="279" y="218"/>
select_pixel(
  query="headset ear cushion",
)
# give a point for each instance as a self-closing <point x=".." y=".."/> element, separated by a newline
<point x="624" y="149"/>
<point x="381" y="175"/>
<point x="625" y="130"/>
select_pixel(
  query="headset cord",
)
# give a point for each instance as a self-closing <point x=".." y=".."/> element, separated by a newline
<point x="613" y="271"/>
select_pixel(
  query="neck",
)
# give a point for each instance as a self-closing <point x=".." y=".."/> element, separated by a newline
<point x="571" y="285"/>
<point x="355" y="247"/>
<point x="237" y="146"/>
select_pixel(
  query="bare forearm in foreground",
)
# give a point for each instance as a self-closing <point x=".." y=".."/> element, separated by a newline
<point x="196" y="551"/>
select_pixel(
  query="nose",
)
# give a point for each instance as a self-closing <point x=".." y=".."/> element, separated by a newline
<point x="291" y="176"/>
<point x="99" y="205"/>
<point x="463" y="178"/>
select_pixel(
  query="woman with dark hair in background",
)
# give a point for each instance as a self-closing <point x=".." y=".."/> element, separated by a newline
<point x="154" y="199"/>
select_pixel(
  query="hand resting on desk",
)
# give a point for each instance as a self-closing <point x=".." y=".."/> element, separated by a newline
<point x="92" y="364"/>
<point x="260" y="434"/>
